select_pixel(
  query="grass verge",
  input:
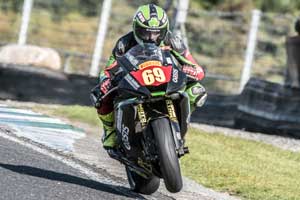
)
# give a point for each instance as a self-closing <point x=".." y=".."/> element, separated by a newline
<point x="248" y="169"/>
<point x="85" y="114"/>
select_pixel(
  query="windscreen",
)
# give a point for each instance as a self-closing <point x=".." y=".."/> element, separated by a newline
<point x="142" y="53"/>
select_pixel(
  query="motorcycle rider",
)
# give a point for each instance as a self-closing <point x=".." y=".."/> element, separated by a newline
<point x="150" y="25"/>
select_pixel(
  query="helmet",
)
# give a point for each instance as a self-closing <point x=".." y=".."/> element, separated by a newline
<point x="150" y="24"/>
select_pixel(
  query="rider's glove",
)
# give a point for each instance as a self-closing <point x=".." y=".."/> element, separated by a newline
<point x="105" y="86"/>
<point x="99" y="91"/>
<point x="194" y="72"/>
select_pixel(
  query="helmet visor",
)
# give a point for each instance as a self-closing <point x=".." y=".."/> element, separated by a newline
<point x="151" y="35"/>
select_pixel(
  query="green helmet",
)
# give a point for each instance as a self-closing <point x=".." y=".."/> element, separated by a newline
<point x="150" y="24"/>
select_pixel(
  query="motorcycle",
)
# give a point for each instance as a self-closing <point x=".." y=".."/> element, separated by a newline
<point x="151" y="116"/>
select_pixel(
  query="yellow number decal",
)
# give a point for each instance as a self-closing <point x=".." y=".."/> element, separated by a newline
<point x="148" y="77"/>
<point x="159" y="75"/>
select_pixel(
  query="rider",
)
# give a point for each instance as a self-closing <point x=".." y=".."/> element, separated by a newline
<point x="150" y="25"/>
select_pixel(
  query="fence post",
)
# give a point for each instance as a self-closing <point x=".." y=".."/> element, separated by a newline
<point x="67" y="64"/>
<point x="25" y="21"/>
<point x="180" y="19"/>
<point x="246" y="73"/>
<point x="102" y="27"/>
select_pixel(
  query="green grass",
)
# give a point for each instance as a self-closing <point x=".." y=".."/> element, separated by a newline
<point x="83" y="114"/>
<point x="247" y="169"/>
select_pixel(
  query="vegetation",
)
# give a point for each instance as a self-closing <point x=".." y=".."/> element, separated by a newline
<point x="87" y="7"/>
<point x="77" y="113"/>
<point x="247" y="169"/>
<point x="251" y="170"/>
<point x="218" y="42"/>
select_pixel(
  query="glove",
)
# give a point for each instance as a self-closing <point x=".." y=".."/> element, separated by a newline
<point x="105" y="86"/>
<point x="99" y="91"/>
<point x="194" y="72"/>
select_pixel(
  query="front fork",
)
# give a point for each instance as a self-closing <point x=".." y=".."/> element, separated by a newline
<point x="178" y="140"/>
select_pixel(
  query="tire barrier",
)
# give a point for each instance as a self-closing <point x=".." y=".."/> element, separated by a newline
<point x="262" y="107"/>
<point x="28" y="83"/>
<point x="269" y="107"/>
<point x="220" y="110"/>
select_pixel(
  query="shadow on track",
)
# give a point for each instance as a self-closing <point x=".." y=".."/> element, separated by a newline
<point x="56" y="176"/>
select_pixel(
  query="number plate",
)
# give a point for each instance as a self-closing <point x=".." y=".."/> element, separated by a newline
<point x="153" y="75"/>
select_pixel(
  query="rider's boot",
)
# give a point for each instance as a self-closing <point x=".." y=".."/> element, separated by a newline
<point x="109" y="138"/>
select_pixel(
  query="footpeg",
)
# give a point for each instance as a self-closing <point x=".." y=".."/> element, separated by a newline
<point x="186" y="150"/>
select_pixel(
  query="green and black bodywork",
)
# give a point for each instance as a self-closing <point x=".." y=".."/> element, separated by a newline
<point x="151" y="121"/>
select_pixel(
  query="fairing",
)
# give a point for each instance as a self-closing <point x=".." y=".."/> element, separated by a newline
<point x="148" y="68"/>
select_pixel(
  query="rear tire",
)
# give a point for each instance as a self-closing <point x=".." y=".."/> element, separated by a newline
<point x="140" y="184"/>
<point x="169" y="163"/>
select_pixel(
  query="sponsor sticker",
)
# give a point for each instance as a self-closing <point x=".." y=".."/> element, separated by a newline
<point x="132" y="82"/>
<point x="141" y="17"/>
<point x="125" y="137"/>
<point x="149" y="64"/>
<point x="175" y="76"/>
<point x="132" y="59"/>
<point x="169" y="60"/>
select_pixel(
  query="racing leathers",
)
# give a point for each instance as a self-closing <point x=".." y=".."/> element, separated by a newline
<point x="194" y="72"/>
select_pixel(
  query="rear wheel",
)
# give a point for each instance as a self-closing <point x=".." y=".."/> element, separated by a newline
<point x="140" y="184"/>
<point x="169" y="163"/>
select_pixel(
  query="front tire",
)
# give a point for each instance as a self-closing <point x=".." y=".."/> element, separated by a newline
<point x="169" y="163"/>
<point x="140" y="184"/>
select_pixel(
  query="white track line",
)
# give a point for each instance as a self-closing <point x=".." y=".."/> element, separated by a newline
<point x="69" y="162"/>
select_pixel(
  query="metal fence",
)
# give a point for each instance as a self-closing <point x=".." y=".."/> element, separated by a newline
<point x="218" y="40"/>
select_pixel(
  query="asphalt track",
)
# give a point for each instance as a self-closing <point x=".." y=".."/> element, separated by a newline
<point x="44" y="158"/>
<point x="27" y="174"/>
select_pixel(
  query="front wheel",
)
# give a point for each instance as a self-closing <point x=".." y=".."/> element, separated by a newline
<point x="168" y="158"/>
<point x="140" y="184"/>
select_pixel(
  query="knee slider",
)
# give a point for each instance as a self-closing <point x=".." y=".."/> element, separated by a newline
<point x="198" y="95"/>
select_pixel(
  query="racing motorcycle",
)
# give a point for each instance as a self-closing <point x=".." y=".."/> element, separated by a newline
<point x="151" y="116"/>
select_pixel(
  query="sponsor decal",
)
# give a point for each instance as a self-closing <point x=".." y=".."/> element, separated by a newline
<point x="121" y="47"/>
<point x="149" y="64"/>
<point x="105" y="86"/>
<point x="169" y="60"/>
<point x="193" y="71"/>
<point x="171" y="110"/>
<point x="132" y="82"/>
<point x="198" y="90"/>
<point x="132" y="59"/>
<point x="119" y="120"/>
<point x="142" y="115"/>
<point x="125" y="137"/>
<point x="175" y="76"/>
<point x="141" y="17"/>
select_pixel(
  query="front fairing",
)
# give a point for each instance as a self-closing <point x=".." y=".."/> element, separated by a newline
<point x="148" y="69"/>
